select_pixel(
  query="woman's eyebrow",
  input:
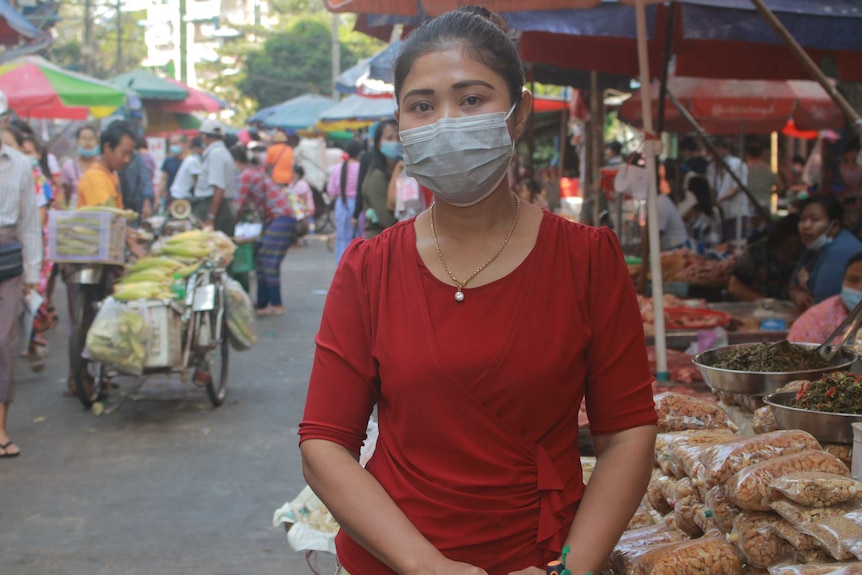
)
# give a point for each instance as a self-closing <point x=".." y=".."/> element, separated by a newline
<point x="469" y="83"/>
<point x="419" y="92"/>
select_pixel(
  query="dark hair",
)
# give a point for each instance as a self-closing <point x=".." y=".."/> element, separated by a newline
<point x="782" y="230"/>
<point x="22" y="126"/>
<point x="239" y="154"/>
<point x="378" y="160"/>
<point x="480" y="32"/>
<point x="853" y="145"/>
<point x="798" y="160"/>
<point x="114" y="133"/>
<point x="353" y="149"/>
<point x="86" y="128"/>
<point x="830" y="205"/>
<point x="854" y="260"/>
<point x="141" y="142"/>
<point x="754" y="150"/>
<point x="231" y="140"/>
<point x="698" y="186"/>
<point x="197" y="142"/>
<point x="40" y="149"/>
<point x="615" y="147"/>
<point x="299" y="170"/>
<point x="16" y="133"/>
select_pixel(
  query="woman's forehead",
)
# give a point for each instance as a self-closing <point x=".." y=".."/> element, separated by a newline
<point x="442" y="68"/>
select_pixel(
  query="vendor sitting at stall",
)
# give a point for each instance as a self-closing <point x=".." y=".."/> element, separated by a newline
<point x="672" y="232"/>
<point x="828" y="248"/>
<point x="764" y="269"/>
<point x="815" y="325"/>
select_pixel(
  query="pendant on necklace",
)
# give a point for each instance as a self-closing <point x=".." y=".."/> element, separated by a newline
<point x="459" y="296"/>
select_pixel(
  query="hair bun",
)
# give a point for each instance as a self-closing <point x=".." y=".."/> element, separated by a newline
<point x="483" y="12"/>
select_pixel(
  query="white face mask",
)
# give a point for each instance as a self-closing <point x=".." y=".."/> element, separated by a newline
<point x="820" y="243"/>
<point x="462" y="160"/>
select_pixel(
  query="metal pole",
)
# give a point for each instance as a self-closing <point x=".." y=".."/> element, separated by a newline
<point x="184" y="44"/>
<point x="595" y="137"/>
<point x="652" y="198"/>
<point x="711" y="147"/>
<point x="336" y="54"/>
<point x="119" y="63"/>
<point x="88" y="37"/>
<point x="809" y="64"/>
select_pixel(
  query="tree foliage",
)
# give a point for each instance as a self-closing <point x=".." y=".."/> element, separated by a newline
<point x="293" y="63"/>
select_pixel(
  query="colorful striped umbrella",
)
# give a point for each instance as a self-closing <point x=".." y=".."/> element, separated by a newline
<point x="36" y="88"/>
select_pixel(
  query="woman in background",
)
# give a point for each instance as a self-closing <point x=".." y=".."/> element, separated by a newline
<point x="86" y="155"/>
<point x="375" y="187"/>
<point x="343" y="189"/>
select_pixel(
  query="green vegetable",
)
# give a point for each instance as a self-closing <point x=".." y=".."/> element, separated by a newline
<point x="836" y="392"/>
<point x="780" y="357"/>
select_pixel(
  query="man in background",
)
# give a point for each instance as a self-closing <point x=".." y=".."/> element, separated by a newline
<point x="178" y="148"/>
<point x="279" y="159"/>
<point x="136" y="183"/>
<point x="187" y="174"/>
<point x="216" y="186"/>
<point x="732" y="201"/>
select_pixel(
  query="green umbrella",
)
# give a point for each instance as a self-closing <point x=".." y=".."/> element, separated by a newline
<point x="149" y="87"/>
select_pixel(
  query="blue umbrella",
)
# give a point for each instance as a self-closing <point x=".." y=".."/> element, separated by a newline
<point x="381" y="66"/>
<point x="296" y="114"/>
<point x="346" y="82"/>
<point x="360" y="109"/>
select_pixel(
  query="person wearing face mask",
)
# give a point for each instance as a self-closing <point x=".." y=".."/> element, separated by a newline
<point x="375" y="187"/>
<point x="188" y="172"/>
<point x="178" y="147"/>
<point x="815" y="325"/>
<point x="828" y="248"/>
<point x="86" y="154"/>
<point x="475" y="329"/>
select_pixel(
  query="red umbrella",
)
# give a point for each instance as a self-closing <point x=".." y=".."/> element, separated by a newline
<point x="197" y="101"/>
<point x="737" y="106"/>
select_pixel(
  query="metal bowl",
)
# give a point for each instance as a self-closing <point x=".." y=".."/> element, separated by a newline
<point x="761" y="382"/>
<point x="826" y="427"/>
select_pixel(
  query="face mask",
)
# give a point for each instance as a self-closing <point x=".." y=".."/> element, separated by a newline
<point x="392" y="150"/>
<point x="175" y="150"/>
<point x="85" y="153"/>
<point x="820" y="243"/>
<point x="850" y="297"/>
<point x="462" y="160"/>
<point x="34" y="162"/>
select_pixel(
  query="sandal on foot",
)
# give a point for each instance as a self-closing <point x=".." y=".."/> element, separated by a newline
<point x="5" y="449"/>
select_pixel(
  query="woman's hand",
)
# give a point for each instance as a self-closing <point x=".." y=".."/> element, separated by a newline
<point x="449" y="567"/>
<point x="801" y="297"/>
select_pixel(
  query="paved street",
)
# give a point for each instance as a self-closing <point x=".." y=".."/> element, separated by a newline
<point x="166" y="484"/>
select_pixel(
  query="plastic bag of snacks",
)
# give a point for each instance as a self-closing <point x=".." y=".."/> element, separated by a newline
<point x="634" y="543"/>
<point x="799" y="515"/>
<point x="817" y="569"/>
<point x="817" y="489"/>
<point x="797" y="539"/>
<point x="763" y="420"/>
<point x="685" y="449"/>
<point x="702" y="517"/>
<point x="685" y="500"/>
<point x="657" y="493"/>
<point x="662" y="450"/>
<point x="709" y="555"/>
<point x="841" y="451"/>
<point x="750" y="488"/>
<point x="722" y="461"/>
<point x="838" y="535"/>
<point x="641" y="518"/>
<point x="817" y="555"/>
<point x="240" y="315"/>
<point x="749" y="403"/>
<point x="722" y="510"/>
<point x="757" y="542"/>
<point x="678" y="412"/>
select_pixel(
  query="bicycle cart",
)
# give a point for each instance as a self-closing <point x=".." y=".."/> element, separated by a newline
<point x="115" y="331"/>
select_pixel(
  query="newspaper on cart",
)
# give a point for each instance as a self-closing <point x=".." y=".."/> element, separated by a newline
<point x="310" y="526"/>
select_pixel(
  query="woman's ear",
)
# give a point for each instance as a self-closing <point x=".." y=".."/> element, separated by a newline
<point x="522" y="113"/>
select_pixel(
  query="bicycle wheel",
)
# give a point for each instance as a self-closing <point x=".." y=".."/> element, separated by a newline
<point x="88" y="375"/>
<point x="217" y="364"/>
<point x="211" y="361"/>
<point x="323" y="223"/>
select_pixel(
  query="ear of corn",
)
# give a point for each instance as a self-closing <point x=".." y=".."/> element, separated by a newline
<point x="128" y="214"/>
<point x="154" y="263"/>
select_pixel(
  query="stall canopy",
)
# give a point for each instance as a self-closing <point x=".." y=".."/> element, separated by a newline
<point x="149" y="87"/>
<point x="14" y="27"/>
<point x="161" y="123"/>
<point x="742" y="106"/>
<point x="297" y="114"/>
<point x="36" y="88"/>
<point x="356" y="112"/>
<point x="197" y="101"/>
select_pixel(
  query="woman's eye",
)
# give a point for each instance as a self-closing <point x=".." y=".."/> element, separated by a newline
<point x="472" y="100"/>
<point x="422" y="107"/>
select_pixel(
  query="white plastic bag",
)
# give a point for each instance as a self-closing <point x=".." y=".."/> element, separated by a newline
<point x="119" y="337"/>
<point x="240" y="315"/>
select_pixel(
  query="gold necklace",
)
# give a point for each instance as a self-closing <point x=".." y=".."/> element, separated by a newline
<point x="459" y="295"/>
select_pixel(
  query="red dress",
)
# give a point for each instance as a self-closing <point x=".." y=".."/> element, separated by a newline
<point x="478" y="401"/>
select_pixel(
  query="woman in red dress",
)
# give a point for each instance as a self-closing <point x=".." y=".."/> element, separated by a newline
<point x="476" y="329"/>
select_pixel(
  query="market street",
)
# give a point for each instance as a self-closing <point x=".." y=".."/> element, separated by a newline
<point x="166" y="484"/>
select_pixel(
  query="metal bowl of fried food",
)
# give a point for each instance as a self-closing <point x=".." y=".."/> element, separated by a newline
<point x="761" y="382"/>
<point x="826" y="427"/>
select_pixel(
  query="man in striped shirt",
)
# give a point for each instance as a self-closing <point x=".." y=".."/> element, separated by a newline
<point x="19" y="222"/>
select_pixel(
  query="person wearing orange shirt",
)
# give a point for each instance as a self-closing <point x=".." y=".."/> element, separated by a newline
<point x="279" y="160"/>
<point x="100" y="185"/>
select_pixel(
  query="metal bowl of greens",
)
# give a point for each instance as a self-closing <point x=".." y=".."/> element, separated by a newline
<point x="827" y="427"/>
<point x="762" y="368"/>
